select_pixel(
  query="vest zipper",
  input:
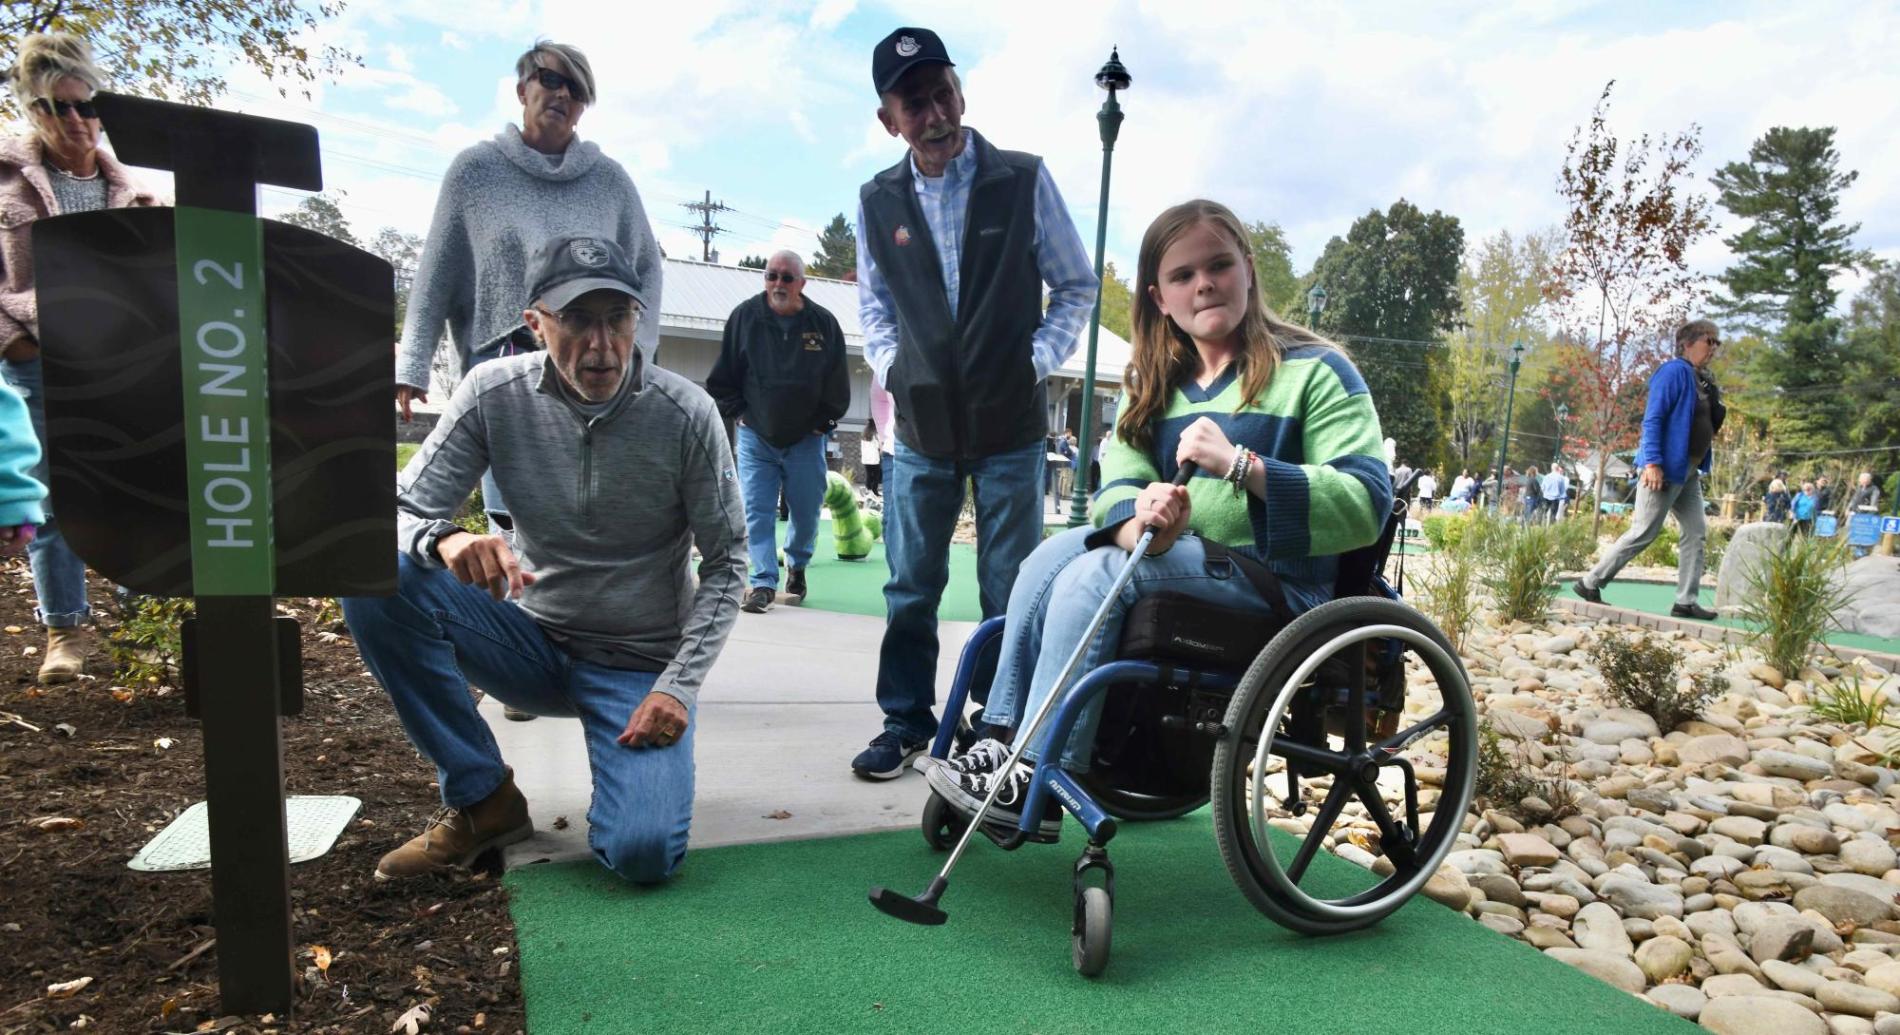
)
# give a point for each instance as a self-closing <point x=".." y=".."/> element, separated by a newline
<point x="587" y="470"/>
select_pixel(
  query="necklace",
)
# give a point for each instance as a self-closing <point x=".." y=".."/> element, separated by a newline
<point x="72" y="176"/>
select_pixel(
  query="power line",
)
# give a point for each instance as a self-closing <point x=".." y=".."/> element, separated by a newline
<point x="707" y="229"/>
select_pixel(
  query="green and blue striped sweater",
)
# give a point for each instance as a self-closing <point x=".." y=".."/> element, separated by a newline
<point x="1315" y="429"/>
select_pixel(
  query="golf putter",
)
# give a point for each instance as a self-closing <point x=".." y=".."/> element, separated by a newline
<point x="923" y="909"/>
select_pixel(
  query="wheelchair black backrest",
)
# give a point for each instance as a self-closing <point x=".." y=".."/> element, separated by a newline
<point x="1362" y="571"/>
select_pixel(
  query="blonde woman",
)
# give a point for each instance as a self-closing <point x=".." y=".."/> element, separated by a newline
<point x="1292" y="473"/>
<point x="55" y="168"/>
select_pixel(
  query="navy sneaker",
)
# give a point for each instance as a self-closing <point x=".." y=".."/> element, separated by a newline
<point x="965" y="792"/>
<point x="886" y="758"/>
<point x="795" y="586"/>
<point x="1594" y="596"/>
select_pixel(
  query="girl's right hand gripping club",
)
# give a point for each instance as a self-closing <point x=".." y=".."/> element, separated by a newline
<point x="923" y="908"/>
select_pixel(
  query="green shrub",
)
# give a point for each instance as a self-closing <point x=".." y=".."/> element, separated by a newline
<point x="1448" y="590"/>
<point x="1613" y="526"/>
<point x="144" y="646"/>
<point x="1573" y="544"/>
<point x="1641" y="672"/>
<point x="1793" y="597"/>
<point x="1506" y="778"/>
<point x="1661" y="551"/>
<point x="1716" y="545"/>
<point x="1444" y="531"/>
<point x="1845" y="702"/>
<point x="1521" y="572"/>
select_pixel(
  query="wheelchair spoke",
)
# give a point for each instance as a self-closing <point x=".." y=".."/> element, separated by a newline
<point x="1322" y="822"/>
<point x="1314" y="757"/>
<point x="1376" y="809"/>
<point x="1402" y="739"/>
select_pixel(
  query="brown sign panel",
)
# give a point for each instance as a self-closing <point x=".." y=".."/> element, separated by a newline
<point x="108" y="296"/>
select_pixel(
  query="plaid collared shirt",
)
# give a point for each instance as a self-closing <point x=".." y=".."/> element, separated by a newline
<point x="1061" y="259"/>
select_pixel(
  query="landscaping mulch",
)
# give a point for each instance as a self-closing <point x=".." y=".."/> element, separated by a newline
<point x="124" y="761"/>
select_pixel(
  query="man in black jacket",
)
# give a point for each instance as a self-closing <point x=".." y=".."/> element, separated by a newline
<point x="781" y="374"/>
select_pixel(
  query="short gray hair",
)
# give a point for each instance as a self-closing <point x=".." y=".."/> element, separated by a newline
<point x="798" y="261"/>
<point x="1690" y="333"/>
<point x="48" y="57"/>
<point x="568" y="56"/>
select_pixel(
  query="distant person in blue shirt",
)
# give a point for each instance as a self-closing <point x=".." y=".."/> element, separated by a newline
<point x="21" y="495"/>
<point x="1803" y="506"/>
<point x="1556" y="490"/>
<point x="955" y="245"/>
<point x="1679" y="423"/>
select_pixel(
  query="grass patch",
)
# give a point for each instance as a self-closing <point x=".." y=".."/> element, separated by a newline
<point x="1794" y="596"/>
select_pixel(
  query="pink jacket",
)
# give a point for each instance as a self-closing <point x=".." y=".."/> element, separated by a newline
<point x="26" y="194"/>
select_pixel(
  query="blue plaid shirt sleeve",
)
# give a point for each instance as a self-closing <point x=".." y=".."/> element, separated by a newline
<point x="1064" y="264"/>
<point x="875" y="307"/>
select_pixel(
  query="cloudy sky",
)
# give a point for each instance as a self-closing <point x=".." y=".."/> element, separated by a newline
<point x="1303" y="114"/>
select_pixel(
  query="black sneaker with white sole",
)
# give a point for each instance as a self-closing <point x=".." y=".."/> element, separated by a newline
<point x="965" y="792"/>
<point x="985" y="756"/>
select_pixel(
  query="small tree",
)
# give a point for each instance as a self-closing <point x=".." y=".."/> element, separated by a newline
<point x="321" y="213"/>
<point x="1273" y="269"/>
<point x="753" y="262"/>
<point x="837" y="249"/>
<point x="1621" y="279"/>
<point x="1117" y="304"/>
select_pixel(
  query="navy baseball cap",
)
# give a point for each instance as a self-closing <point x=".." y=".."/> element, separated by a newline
<point x="903" y="50"/>
<point x="565" y="268"/>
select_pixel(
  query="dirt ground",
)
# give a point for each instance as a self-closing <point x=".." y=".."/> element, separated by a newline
<point x="123" y="763"/>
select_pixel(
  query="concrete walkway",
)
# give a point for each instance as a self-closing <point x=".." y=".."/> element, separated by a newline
<point x="790" y="702"/>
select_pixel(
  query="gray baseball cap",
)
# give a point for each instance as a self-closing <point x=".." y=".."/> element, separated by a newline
<point x="565" y="268"/>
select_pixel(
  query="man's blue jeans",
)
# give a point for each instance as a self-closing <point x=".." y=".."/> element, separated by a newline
<point x="924" y="496"/>
<point x="799" y="469"/>
<point x="59" y="576"/>
<point x="1055" y="598"/>
<point x="436" y="636"/>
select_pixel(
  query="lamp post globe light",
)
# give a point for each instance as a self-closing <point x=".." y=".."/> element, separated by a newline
<point x="1510" y="402"/>
<point x="1113" y="77"/>
<point x="1315" y="303"/>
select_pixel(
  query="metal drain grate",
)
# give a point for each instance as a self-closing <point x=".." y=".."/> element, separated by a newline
<point x="314" y="821"/>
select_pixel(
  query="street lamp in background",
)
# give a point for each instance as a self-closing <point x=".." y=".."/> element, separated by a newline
<point x="1510" y="401"/>
<point x="1112" y="77"/>
<point x="1315" y="302"/>
<point x="1563" y="414"/>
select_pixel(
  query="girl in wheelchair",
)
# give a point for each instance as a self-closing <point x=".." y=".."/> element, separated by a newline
<point x="1291" y="474"/>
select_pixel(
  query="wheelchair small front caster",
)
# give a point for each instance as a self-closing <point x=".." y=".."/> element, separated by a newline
<point x="943" y="824"/>
<point x="1094" y="926"/>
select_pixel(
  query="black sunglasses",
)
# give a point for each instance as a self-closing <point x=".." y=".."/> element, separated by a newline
<point x="58" y="109"/>
<point x="774" y="277"/>
<point x="552" y="80"/>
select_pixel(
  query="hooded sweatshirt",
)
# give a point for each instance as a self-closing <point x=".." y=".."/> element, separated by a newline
<point x="501" y="198"/>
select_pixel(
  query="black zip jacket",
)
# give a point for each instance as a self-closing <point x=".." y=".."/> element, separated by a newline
<point x="786" y="384"/>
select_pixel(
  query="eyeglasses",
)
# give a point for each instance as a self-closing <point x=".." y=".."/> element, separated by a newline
<point x="552" y="80"/>
<point x="58" y="109"/>
<point x="774" y="277"/>
<point x="583" y="322"/>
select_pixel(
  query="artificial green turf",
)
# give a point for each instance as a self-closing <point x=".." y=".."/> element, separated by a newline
<point x="780" y="938"/>
<point x="1657" y="598"/>
<point x="857" y="587"/>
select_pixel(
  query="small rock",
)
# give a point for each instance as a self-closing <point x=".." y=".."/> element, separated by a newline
<point x="1596" y="927"/>
<point x="1858" y="1000"/>
<point x="1526" y="850"/>
<point x="1724" y="985"/>
<point x="1791" y="977"/>
<point x="1664" y="957"/>
<point x="1793" y="766"/>
<point x="1541" y="936"/>
<point x="1784" y="938"/>
<point x="1869" y="857"/>
<point x="1715" y="747"/>
<point x="1634" y="898"/>
<point x="1759" y="1015"/>
<point x="1607" y="967"/>
<point x="1843" y="905"/>
<point x="1685" y="1001"/>
<point x="1740" y="828"/>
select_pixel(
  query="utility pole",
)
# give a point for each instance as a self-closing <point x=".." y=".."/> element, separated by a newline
<point x="706" y="229"/>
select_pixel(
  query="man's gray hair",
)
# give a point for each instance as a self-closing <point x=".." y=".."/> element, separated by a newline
<point x="797" y="260"/>
<point x="572" y="63"/>
<point x="1690" y="333"/>
<point x="48" y="57"/>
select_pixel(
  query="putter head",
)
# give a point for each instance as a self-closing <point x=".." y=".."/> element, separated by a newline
<point x="920" y="910"/>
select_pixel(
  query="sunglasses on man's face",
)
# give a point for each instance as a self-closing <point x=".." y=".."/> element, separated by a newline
<point x="58" y="109"/>
<point x="774" y="277"/>
<point x="551" y="81"/>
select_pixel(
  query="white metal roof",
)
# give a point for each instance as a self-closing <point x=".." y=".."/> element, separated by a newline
<point x="697" y="297"/>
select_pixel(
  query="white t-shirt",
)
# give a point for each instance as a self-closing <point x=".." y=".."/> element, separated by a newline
<point x="1427" y="486"/>
<point x="867" y="450"/>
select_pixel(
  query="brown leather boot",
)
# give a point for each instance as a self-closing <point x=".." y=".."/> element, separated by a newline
<point x="455" y="838"/>
<point x="65" y="655"/>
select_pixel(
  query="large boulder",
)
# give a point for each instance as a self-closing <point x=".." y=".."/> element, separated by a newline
<point x="1746" y="548"/>
<point x="1873" y="585"/>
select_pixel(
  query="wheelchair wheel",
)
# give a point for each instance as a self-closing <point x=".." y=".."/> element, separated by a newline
<point x="1094" y="929"/>
<point x="1136" y="806"/>
<point x="1285" y="789"/>
<point x="942" y="823"/>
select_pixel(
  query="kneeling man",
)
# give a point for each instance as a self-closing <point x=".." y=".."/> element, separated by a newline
<point x="613" y="470"/>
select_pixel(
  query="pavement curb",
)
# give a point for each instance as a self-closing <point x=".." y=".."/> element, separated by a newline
<point x="1703" y="630"/>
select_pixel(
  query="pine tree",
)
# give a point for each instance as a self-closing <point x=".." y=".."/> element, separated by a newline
<point x="837" y="250"/>
<point x="1790" y="190"/>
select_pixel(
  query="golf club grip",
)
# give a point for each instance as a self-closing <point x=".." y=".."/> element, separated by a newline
<point x="1180" y="478"/>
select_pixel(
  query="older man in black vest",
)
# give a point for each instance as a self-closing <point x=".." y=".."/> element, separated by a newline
<point x="955" y="243"/>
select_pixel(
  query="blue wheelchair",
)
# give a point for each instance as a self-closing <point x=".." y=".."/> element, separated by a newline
<point x="1352" y="730"/>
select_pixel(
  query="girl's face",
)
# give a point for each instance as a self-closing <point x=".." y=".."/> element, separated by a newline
<point x="1203" y="283"/>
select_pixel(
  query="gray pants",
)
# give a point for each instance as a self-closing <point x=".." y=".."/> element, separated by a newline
<point x="1646" y="523"/>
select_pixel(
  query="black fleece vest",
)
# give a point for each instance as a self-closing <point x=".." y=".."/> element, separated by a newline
<point x="965" y="383"/>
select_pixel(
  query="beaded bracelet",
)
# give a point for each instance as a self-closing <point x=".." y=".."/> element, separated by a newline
<point x="1237" y="474"/>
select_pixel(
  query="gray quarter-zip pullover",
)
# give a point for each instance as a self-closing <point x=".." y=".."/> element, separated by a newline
<point x="606" y="508"/>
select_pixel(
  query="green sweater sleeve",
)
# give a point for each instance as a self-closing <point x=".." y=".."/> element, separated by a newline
<point x="1337" y="498"/>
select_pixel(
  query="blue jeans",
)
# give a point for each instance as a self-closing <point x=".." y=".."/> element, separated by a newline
<point x="492" y="503"/>
<point x="923" y="497"/>
<point x="764" y="469"/>
<point x="436" y="636"/>
<point x="59" y="576"/>
<point x="1057" y="594"/>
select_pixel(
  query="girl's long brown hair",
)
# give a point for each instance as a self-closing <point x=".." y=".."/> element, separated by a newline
<point x="1164" y="355"/>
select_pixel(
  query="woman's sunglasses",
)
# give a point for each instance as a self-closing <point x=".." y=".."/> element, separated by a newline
<point x="552" y="80"/>
<point x="58" y="109"/>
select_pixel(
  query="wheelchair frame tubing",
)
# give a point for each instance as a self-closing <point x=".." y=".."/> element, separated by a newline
<point x="960" y="686"/>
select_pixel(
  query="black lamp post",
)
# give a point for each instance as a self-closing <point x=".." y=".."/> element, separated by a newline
<point x="1563" y="414"/>
<point x="1112" y="77"/>
<point x="1315" y="302"/>
<point x="1510" y="402"/>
